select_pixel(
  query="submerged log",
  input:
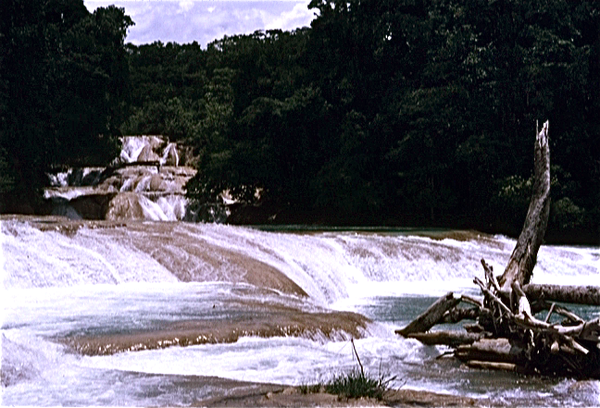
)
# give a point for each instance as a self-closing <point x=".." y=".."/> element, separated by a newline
<point x="524" y="256"/>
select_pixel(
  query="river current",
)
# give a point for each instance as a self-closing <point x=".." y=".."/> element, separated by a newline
<point x="64" y="281"/>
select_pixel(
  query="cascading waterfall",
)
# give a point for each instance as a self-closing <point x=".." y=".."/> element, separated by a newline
<point x="147" y="182"/>
<point x="64" y="279"/>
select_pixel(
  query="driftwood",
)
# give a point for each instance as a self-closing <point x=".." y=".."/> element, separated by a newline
<point x="493" y="350"/>
<point x="488" y="365"/>
<point x="431" y="316"/>
<point x="583" y="295"/>
<point x="450" y="338"/>
<point x="507" y="334"/>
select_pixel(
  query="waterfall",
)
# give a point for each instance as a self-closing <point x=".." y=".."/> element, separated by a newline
<point x="147" y="166"/>
<point x="328" y="266"/>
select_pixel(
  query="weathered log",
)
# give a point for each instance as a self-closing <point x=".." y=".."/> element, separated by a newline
<point x="431" y="316"/>
<point x="523" y="306"/>
<point x="493" y="297"/>
<point x="473" y="328"/>
<point x="489" y="276"/>
<point x="488" y="365"/>
<point x="564" y="334"/>
<point x="549" y="313"/>
<point x="448" y="338"/>
<point x="475" y="302"/>
<point x="582" y="295"/>
<point x="524" y="256"/>
<point x="457" y="314"/>
<point x="591" y="332"/>
<point x="495" y="350"/>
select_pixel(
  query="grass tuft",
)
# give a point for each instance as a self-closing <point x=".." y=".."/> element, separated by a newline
<point x="356" y="384"/>
<point x="310" y="388"/>
<point x="353" y="384"/>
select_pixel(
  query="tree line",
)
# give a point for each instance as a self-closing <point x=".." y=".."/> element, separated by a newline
<point x="64" y="81"/>
<point x="381" y="112"/>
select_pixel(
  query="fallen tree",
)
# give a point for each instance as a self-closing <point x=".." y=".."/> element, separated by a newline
<point x="507" y="334"/>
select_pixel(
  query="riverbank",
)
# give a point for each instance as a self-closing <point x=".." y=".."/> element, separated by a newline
<point x="270" y="395"/>
<point x="267" y="214"/>
<point x="247" y="394"/>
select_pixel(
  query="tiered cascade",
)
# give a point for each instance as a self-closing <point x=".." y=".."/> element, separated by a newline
<point x="146" y="182"/>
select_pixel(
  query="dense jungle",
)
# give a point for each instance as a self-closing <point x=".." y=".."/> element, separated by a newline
<point x="396" y="113"/>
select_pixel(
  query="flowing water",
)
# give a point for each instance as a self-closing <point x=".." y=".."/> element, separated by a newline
<point x="64" y="281"/>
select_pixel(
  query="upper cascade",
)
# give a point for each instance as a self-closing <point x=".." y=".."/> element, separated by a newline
<point x="145" y="182"/>
<point x="145" y="149"/>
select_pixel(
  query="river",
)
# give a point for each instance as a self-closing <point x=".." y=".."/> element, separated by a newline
<point x="73" y="282"/>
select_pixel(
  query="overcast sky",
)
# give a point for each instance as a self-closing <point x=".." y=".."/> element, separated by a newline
<point x="205" y="21"/>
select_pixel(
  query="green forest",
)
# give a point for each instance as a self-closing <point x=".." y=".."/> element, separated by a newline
<point x="382" y="112"/>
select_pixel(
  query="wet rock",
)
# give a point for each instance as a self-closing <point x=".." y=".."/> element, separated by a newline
<point x="157" y="183"/>
<point x="147" y="155"/>
<point x="266" y="320"/>
<point x="92" y="206"/>
<point x="125" y="206"/>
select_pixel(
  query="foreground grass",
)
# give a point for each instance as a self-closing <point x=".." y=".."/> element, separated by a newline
<point x="354" y="384"/>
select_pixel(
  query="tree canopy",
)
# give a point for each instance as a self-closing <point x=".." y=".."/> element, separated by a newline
<point x="422" y="112"/>
<point x="396" y="112"/>
<point x="64" y="80"/>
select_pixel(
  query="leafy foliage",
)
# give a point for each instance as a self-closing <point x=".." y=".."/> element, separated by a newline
<point x="64" y="79"/>
<point x="390" y="111"/>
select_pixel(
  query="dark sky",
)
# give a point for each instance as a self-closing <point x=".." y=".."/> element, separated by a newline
<point x="206" y="21"/>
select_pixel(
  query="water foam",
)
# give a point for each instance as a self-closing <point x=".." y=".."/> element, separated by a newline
<point x="50" y="259"/>
<point x="132" y="146"/>
<point x="329" y="267"/>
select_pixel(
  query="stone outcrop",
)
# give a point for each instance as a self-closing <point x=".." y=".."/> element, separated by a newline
<point x="148" y="155"/>
<point x="92" y="206"/>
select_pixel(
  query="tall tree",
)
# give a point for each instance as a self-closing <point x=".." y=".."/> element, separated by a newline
<point x="64" y="79"/>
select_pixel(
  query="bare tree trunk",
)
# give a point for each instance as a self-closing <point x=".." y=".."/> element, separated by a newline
<point x="524" y="256"/>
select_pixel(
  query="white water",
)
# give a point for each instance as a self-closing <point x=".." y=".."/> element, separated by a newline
<point x="99" y="281"/>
